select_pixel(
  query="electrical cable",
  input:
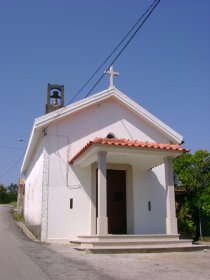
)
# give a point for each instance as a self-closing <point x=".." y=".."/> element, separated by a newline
<point x="151" y="7"/>
<point x="128" y="42"/>
<point x="13" y="166"/>
<point x="110" y="55"/>
<point x="146" y="15"/>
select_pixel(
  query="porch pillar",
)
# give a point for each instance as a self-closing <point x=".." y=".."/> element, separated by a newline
<point x="171" y="220"/>
<point x="102" y="220"/>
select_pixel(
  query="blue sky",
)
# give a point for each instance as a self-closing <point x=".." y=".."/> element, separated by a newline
<point x="165" y="69"/>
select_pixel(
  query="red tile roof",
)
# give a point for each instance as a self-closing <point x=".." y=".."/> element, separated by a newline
<point x="129" y="143"/>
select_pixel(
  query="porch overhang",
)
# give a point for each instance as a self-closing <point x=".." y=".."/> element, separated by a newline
<point x="143" y="155"/>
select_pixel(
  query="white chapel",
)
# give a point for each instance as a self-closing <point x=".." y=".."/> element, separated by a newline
<point x="100" y="170"/>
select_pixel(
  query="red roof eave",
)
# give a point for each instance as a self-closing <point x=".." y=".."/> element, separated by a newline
<point x="129" y="143"/>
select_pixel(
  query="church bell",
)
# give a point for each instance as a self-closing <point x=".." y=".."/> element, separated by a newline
<point x="55" y="97"/>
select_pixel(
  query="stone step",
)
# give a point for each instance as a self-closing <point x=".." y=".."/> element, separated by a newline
<point x="146" y="249"/>
<point x="137" y="238"/>
<point x="132" y="242"/>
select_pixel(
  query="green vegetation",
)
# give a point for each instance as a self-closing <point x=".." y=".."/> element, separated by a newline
<point x="192" y="174"/>
<point x="12" y="203"/>
<point x="17" y="216"/>
<point x="8" y="195"/>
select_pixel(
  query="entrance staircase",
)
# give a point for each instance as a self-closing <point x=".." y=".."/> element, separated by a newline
<point x="133" y="243"/>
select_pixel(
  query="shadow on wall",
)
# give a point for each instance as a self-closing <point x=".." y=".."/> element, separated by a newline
<point x="149" y="203"/>
<point x="149" y="199"/>
<point x="35" y="229"/>
<point x="80" y="178"/>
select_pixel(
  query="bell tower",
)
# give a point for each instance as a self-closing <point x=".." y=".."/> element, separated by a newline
<point x="55" y="97"/>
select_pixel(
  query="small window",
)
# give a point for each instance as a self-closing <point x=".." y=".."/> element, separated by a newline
<point x="110" y="136"/>
<point x="71" y="203"/>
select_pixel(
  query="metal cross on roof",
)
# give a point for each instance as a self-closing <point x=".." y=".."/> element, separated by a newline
<point x="112" y="74"/>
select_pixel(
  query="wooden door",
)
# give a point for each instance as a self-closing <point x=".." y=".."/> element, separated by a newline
<point x="116" y="201"/>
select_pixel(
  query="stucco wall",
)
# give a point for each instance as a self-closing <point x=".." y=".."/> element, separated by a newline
<point x="66" y="183"/>
<point x="65" y="138"/>
<point x="149" y="186"/>
<point x="100" y="119"/>
<point x="33" y="193"/>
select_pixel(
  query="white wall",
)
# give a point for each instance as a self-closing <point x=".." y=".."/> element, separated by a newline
<point x="100" y="119"/>
<point x="149" y="186"/>
<point x="33" y="193"/>
<point x="65" y="138"/>
<point x="66" y="183"/>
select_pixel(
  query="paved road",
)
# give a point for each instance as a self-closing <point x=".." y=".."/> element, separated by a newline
<point x="23" y="259"/>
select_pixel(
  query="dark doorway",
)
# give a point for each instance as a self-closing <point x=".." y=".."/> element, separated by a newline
<point x="116" y="201"/>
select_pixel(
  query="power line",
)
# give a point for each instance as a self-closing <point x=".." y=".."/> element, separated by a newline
<point x="111" y="54"/>
<point x="145" y="16"/>
<point x="128" y="42"/>
<point x="13" y="166"/>
<point x="151" y="9"/>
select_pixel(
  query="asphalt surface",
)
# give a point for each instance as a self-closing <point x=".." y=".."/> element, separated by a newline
<point x="21" y="259"/>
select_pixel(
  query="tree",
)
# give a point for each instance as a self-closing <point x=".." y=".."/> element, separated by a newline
<point x="3" y="193"/>
<point x="12" y="190"/>
<point x="9" y="193"/>
<point x="192" y="173"/>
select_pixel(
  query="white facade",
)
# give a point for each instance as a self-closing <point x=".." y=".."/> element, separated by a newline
<point x="33" y="192"/>
<point x="52" y="184"/>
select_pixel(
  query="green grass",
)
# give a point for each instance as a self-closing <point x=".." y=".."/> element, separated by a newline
<point x="18" y="217"/>
<point x="206" y="239"/>
<point x="13" y="203"/>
